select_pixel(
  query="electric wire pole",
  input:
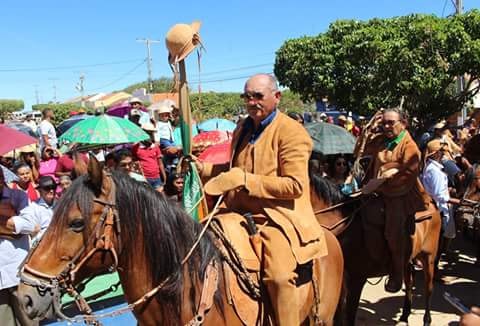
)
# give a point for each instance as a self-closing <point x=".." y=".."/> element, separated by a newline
<point x="80" y="87"/>
<point x="54" y="89"/>
<point x="148" y="42"/>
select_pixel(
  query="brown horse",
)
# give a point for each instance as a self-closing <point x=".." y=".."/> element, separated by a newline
<point x="111" y="222"/>
<point x="348" y="224"/>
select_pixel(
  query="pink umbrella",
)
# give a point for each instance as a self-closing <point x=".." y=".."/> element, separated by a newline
<point x="210" y="138"/>
<point x="216" y="154"/>
<point x="12" y="139"/>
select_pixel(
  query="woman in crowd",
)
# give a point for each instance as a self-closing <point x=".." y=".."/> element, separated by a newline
<point x="29" y="156"/>
<point x="48" y="162"/>
<point x="174" y="187"/>
<point x="24" y="182"/>
<point x="339" y="173"/>
<point x="64" y="183"/>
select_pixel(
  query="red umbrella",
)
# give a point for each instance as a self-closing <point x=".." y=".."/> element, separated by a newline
<point x="12" y="139"/>
<point x="216" y="154"/>
<point x="209" y="138"/>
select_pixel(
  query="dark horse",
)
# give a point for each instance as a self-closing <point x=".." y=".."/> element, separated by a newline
<point x="347" y="223"/>
<point x="111" y="221"/>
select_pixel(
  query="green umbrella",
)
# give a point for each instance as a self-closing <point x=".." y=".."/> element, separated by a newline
<point x="330" y="139"/>
<point x="104" y="129"/>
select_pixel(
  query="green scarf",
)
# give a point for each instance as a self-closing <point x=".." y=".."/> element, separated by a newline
<point x="390" y="144"/>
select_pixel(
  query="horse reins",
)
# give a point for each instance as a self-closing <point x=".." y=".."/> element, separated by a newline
<point x="103" y="242"/>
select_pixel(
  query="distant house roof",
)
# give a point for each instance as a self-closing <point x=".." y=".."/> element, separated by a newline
<point x="110" y="99"/>
<point x="157" y="97"/>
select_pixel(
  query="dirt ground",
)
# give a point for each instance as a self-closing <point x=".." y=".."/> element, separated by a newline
<point x="462" y="279"/>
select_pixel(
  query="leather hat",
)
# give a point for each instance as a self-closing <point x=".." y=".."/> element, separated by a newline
<point x="181" y="40"/>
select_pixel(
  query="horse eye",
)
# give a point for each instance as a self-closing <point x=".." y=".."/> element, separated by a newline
<point x="77" y="225"/>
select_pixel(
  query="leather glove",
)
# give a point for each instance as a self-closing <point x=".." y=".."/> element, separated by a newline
<point x="226" y="181"/>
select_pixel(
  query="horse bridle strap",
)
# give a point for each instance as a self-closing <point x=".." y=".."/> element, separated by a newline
<point x="101" y="240"/>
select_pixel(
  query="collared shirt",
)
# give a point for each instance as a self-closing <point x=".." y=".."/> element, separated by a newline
<point x="435" y="182"/>
<point x="12" y="252"/>
<point x="263" y="124"/>
<point x="37" y="213"/>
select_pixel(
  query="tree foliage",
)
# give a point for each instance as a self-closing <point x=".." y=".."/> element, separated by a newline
<point x="10" y="106"/>
<point x="362" y="66"/>
<point x="161" y="85"/>
<point x="61" y="111"/>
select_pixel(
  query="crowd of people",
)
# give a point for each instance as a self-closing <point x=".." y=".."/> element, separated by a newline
<point x="33" y="178"/>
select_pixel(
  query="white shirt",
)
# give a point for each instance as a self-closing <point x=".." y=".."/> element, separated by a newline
<point x="37" y="213"/>
<point x="47" y="129"/>
<point x="165" y="130"/>
<point x="435" y="182"/>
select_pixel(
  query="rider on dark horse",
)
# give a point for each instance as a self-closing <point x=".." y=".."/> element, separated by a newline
<point x="268" y="177"/>
<point x="396" y="160"/>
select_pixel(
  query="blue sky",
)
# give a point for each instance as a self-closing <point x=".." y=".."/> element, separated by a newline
<point x="52" y="42"/>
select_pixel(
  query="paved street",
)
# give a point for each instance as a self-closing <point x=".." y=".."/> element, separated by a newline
<point x="378" y="307"/>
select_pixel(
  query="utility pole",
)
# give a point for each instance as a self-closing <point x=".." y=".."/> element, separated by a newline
<point x="36" y="94"/>
<point x="54" y="89"/>
<point x="460" y="79"/>
<point x="80" y="87"/>
<point x="148" y="42"/>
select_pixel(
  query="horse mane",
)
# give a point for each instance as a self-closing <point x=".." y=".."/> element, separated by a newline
<point x="168" y="234"/>
<point x="326" y="189"/>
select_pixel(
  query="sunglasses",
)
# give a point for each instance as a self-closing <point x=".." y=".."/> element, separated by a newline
<point x="390" y="122"/>
<point x="252" y="95"/>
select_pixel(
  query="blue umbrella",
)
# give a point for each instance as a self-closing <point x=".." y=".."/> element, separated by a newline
<point x="217" y="124"/>
<point x="70" y="122"/>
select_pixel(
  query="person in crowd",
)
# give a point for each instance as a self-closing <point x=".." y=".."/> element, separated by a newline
<point x="72" y="163"/>
<point x="29" y="122"/>
<point x="64" y="183"/>
<point x="396" y="160"/>
<point x="174" y="187"/>
<point x="435" y="181"/>
<point x="342" y="121"/>
<point x="339" y="173"/>
<point x="25" y="181"/>
<point x="296" y="116"/>
<point x="13" y="250"/>
<point x="123" y="161"/>
<point x="352" y="127"/>
<point x="49" y="161"/>
<point x="35" y="218"/>
<point x="7" y="160"/>
<point x="278" y="179"/>
<point x="150" y="158"/>
<point x="29" y="156"/>
<point x="170" y="150"/>
<point x="46" y="130"/>
<point x="134" y="113"/>
<point x="317" y="165"/>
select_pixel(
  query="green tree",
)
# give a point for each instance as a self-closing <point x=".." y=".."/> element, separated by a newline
<point x="362" y="66"/>
<point x="211" y="104"/>
<point x="10" y="106"/>
<point x="161" y="85"/>
<point x="61" y="111"/>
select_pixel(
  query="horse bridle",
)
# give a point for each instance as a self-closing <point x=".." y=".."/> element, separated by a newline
<point x="100" y="240"/>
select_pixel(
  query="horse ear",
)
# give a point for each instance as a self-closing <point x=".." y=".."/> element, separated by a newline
<point x="95" y="174"/>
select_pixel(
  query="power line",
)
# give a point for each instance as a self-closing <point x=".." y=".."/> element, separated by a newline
<point x="68" y="67"/>
<point x="226" y="79"/>
<point x="119" y="78"/>
<point x="234" y="69"/>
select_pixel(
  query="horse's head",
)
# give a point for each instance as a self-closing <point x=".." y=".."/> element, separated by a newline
<point x="82" y="240"/>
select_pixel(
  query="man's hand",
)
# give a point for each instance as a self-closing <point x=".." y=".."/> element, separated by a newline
<point x="198" y="163"/>
<point x="233" y="179"/>
<point x="472" y="318"/>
